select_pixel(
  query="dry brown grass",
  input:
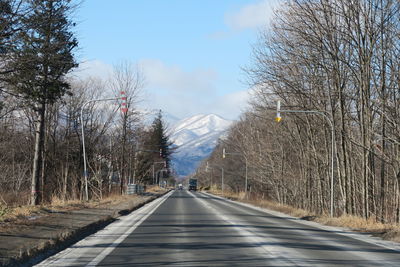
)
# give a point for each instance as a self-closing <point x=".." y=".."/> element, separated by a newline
<point x="295" y="212"/>
<point x="241" y="196"/>
<point x="357" y="223"/>
<point x="58" y="204"/>
<point x="155" y="189"/>
<point x="12" y="199"/>
<point x="386" y="231"/>
<point x="18" y="212"/>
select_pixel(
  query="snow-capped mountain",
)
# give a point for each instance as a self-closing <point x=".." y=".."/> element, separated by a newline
<point x="196" y="137"/>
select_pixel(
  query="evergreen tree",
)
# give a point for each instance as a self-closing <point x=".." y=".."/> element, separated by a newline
<point x="5" y="25"/>
<point x="43" y="54"/>
<point x="11" y="12"/>
<point x="156" y="148"/>
<point x="160" y="140"/>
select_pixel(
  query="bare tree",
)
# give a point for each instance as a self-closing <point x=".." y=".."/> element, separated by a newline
<point x="340" y="58"/>
<point x="127" y="78"/>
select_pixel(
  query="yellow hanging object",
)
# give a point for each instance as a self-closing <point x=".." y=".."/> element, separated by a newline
<point x="278" y="119"/>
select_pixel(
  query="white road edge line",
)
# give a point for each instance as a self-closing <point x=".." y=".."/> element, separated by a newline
<point x="109" y="249"/>
<point x="279" y="257"/>
<point x="349" y="233"/>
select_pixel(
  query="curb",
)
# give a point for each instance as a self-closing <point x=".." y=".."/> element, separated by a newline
<point x="41" y="251"/>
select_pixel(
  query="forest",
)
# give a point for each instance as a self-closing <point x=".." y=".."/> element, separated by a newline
<point x="334" y="67"/>
<point x="45" y="107"/>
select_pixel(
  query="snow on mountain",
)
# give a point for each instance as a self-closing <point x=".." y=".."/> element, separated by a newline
<point x="196" y="138"/>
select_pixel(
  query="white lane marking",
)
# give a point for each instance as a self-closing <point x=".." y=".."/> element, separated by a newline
<point x="108" y="250"/>
<point x="339" y="230"/>
<point x="369" y="256"/>
<point x="277" y="254"/>
<point x="110" y="232"/>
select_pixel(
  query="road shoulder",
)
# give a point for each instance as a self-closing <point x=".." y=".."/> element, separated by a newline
<point x="365" y="237"/>
<point x="31" y="240"/>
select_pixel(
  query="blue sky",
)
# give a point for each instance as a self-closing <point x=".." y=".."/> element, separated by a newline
<point x="190" y="51"/>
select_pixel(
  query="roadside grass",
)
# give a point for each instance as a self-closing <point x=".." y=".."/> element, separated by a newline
<point x="386" y="231"/>
<point x="263" y="203"/>
<point x="56" y="204"/>
<point x="13" y="213"/>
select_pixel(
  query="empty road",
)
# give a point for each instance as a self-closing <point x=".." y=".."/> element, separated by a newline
<point x="196" y="229"/>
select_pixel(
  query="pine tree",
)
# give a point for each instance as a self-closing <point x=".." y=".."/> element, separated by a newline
<point x="160" y="139"/>
<point x="43" y="55"/>
<point x="11" y="12"/>
<point x="157" y="148"/>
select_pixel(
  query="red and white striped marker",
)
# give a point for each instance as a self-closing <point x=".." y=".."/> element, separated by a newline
<point x="124" y="107"/>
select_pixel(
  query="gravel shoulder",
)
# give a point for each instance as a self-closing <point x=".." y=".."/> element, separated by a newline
<point x="28" y="240"/>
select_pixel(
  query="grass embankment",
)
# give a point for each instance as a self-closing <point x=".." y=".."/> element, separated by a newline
<point x="384" y="230"/>
<point x="13" y="213"/>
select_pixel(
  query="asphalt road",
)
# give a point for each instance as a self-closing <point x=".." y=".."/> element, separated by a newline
<point x="195" y="229"/>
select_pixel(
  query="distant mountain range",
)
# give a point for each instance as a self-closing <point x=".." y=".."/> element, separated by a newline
<point x="195" y="137"/>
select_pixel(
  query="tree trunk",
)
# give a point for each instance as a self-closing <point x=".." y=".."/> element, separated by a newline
<point x="37" y="158"/>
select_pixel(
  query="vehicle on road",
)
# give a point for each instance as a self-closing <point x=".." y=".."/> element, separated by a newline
<point x="180" y="186"/>
<point x="192" y="184"/>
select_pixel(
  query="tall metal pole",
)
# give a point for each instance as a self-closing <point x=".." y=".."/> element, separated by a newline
<point x="154" y="179"/>
<point x="332" y="141"/>
<point x="134" y="167"/>
<point x="222" y="175"/>
<point x="85" y="172"/>
<point x="222" y="180"/>
<point x="157" y="162"/>
<point x="211" y="175"/>
<point x="245" y="190"/>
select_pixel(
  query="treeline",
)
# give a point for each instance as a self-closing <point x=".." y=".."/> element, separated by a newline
<point x="40" y="107"/>
<point x="340" y="58"/>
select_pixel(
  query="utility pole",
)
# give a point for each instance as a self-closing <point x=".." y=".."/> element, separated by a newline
<point x="222" y="175"/>
<point x="124" y="110"/>
<point x="278" y="119"/>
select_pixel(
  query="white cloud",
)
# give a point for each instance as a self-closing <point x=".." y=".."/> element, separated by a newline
<point x="185" y="93"/>
<point x="174" y="79"/>
<point x="231" y="105"/>
<point x="175" y="90"/>
<point x="254" y="15"/>
<point x="93" y="68"/>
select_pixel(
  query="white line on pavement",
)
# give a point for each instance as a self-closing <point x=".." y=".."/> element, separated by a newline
<point x="275" y="254"/>
<point x="338" y="230"/>
<point x="108" y="250"/>
<point x="71" y="255"/>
